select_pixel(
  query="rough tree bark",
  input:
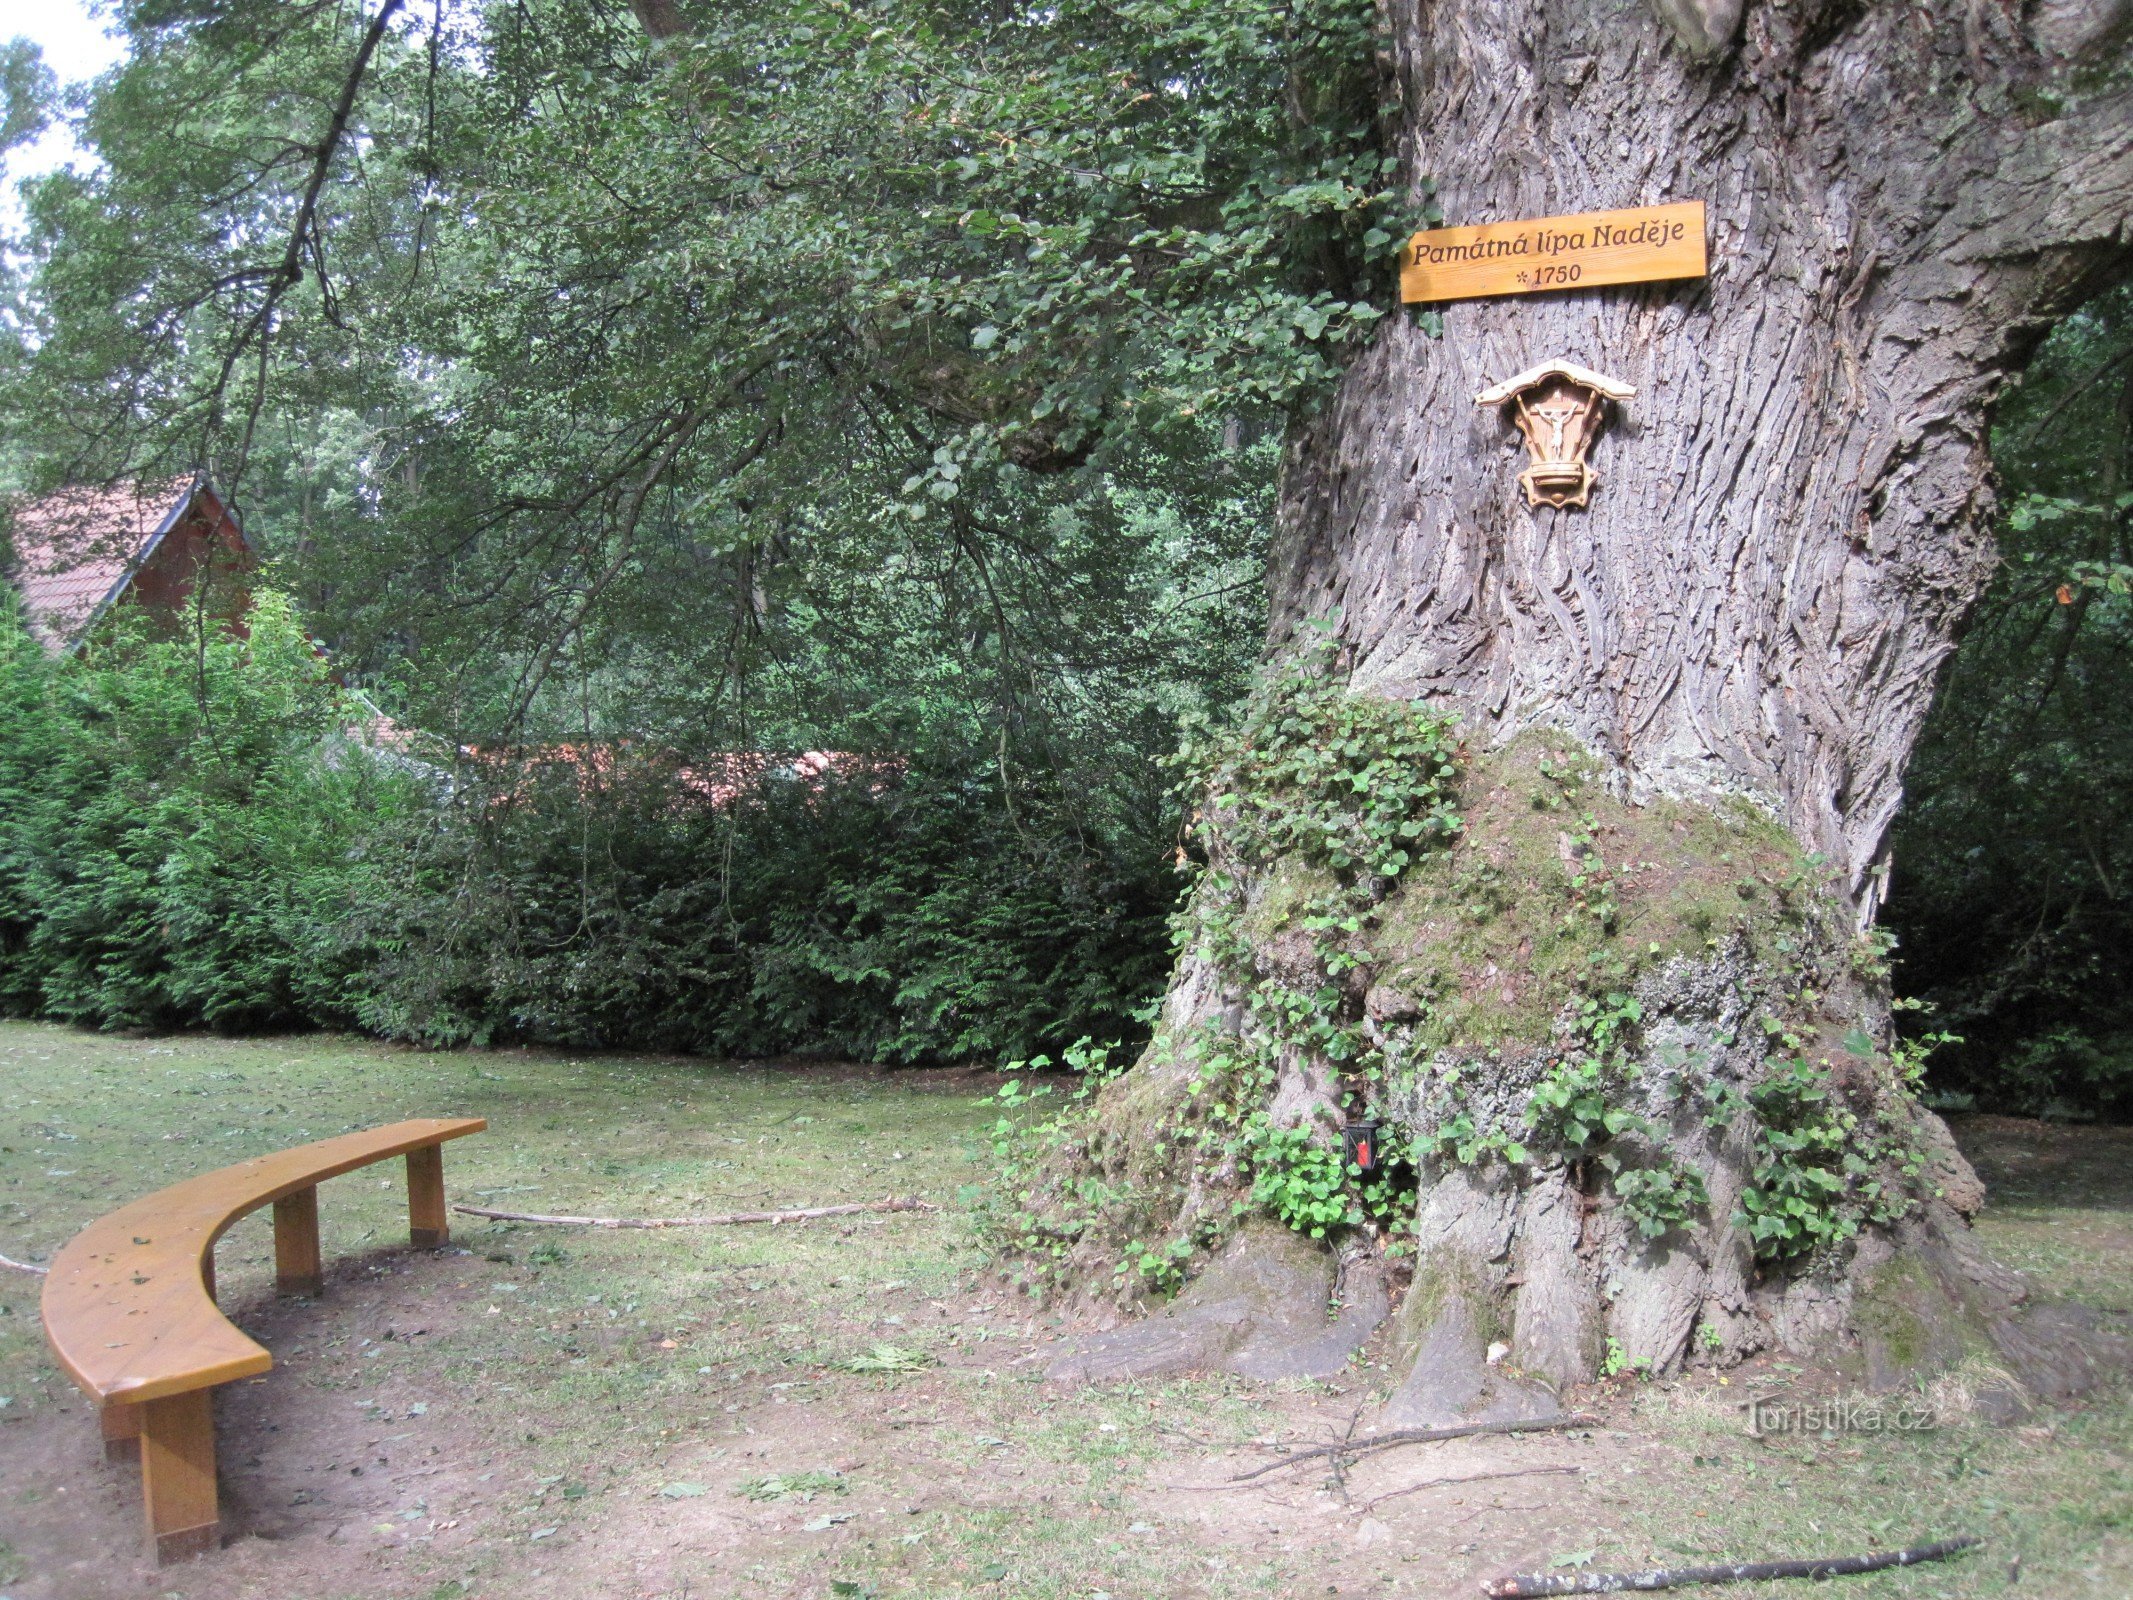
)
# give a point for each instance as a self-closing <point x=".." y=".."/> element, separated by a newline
<point x="1902" y="200"/>
<point x="1731" y="650"/>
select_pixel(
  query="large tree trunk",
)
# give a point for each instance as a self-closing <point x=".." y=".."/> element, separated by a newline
<point x="1686" y="709"/>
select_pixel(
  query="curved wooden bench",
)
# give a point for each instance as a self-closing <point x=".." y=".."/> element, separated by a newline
<point x="129" y="1305"/>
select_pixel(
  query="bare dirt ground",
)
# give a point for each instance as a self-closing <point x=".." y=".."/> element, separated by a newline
<point x="542" y="1412"/>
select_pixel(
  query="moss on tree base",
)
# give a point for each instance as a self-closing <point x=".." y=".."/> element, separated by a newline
<point x="1638" y="1059"/>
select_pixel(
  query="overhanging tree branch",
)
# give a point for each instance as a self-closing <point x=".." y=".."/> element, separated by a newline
<point x="303" y="238"/>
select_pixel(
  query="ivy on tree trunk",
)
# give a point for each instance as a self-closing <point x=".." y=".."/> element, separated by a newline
<point x="1633" y="1020"/>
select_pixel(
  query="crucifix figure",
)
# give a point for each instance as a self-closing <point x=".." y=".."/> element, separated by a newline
<point x="1560" y="408"/>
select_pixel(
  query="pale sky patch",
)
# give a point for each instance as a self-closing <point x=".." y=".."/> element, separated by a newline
<point x="77" y="48"/>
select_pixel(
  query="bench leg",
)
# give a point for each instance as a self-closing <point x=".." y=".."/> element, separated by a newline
<point x="122" y="1430"/>
<point x="297" y="1267"/>
<point x="426" y="1224"/>
<point x="178" y="1475"/>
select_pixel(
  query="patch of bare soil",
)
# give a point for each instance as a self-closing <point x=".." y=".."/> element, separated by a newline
<point x="402" y="1491"/>
<point x="316" y="1488"/>
<point x="328" y="1497"/>
<point x="356" y="1470"/>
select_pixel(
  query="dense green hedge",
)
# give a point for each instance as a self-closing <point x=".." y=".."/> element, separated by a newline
<point x="188" y="837"/>
<point x="903" y="919"/>
<point x="168" y="827"/>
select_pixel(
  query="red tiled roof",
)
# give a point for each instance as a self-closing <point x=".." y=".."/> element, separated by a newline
<point x="74" y="548"/>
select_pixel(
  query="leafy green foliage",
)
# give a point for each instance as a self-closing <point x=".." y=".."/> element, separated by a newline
<point x="27" y="93"/>
<point x="1035" y="1126"/>
<point x="180" y="828"/>
<point x="1309" y="776"/>
<point x="1299" y="1181"/>
<point x="897" y="378"/>
<point x="1314" y="779"/>
<point x="1575" y="1109"/>
<point x="612" y="377"/>
<point x="907" y="921"/>
<point x="1659" y="1198"/>
<point x="1568" y="1107"/>
<point x="1823" y="1167"/>
<point x="2008" y="899"/>
<point x="188" y="836"/>
<point x="1356" y="783"/>
<point x="1458" y="1137"/>
<point x="1160" y="1269"/>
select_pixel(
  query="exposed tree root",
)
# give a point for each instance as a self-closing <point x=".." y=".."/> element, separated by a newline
<point x="1524" y="1585"/>
<point x="1258" y="1310"/>
<point x="726" y="1219"/>
<point x="1717" y="1151"/>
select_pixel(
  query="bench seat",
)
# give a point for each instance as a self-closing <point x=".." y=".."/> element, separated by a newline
<point x="129" y="1303"/>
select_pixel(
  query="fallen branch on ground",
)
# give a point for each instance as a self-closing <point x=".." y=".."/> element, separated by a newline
<point x="1413" y="1488"/>
<point x="21" y="1266"/>
<point x="1526" y="1585"/>
<point x="1385" y="1441"/>
<point x="1477" y="1477"/>
<point x="729" y="1217"/>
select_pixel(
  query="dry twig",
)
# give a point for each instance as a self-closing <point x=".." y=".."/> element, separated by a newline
<point x="21" y="1266"/>
<point x="1413" y="1488"/>
<point x="1385" y="1441"/>
<point x="728" y="1218"/>
<point x="1340" y="1470"/>
<point x="1476" y="1477"/>
<point x="1527" y="1585"/>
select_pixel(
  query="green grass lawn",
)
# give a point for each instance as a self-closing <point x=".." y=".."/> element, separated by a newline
<point x="854" y="1407"/>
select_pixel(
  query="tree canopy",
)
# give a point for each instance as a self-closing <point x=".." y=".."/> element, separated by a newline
<point x="518" y="321"/>
<point x="901" y="377"/>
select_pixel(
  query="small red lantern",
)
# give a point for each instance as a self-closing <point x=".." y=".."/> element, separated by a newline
<point x="1360" y="1141"/>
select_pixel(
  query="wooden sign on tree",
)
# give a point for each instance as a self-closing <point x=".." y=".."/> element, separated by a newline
<point x="1644" y="244"/>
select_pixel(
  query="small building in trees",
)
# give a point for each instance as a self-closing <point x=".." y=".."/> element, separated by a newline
<point x="172" y="547"/>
